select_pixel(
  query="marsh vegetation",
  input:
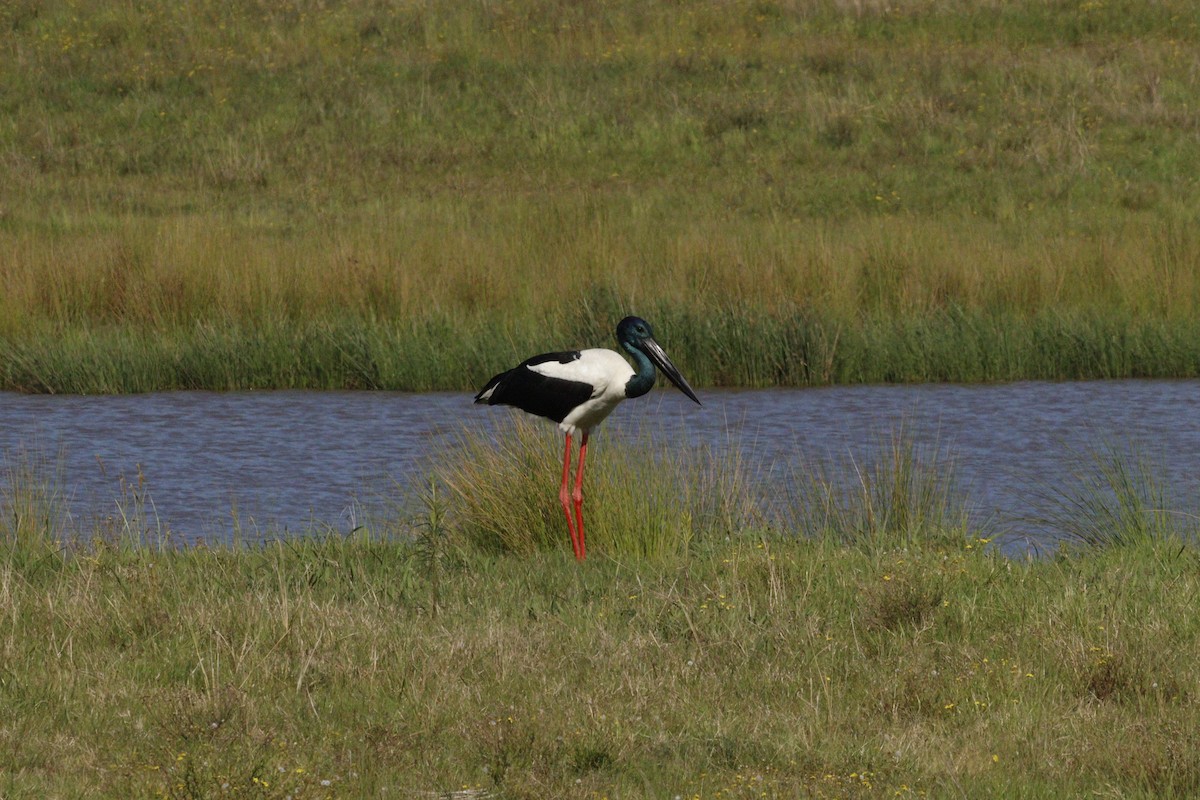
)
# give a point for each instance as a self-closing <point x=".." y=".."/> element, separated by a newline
<point x="293" y="194"/>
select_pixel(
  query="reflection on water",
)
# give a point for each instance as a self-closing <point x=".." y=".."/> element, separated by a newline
<point x="295" y="460"/>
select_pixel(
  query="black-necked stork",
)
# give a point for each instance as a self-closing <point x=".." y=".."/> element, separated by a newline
<point x="578" y="389"/>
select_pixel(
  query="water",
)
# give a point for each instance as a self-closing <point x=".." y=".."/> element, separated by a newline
<point x="269" y="462"/>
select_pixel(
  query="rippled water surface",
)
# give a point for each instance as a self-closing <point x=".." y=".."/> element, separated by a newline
<point x="299" y="460"/>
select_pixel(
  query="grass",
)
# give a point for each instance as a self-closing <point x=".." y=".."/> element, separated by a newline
<point x="755" y="666"/>
<point x="651" y="503"/>
<point x="417" y="657"/>
<point x="1118" y="497"/>
<point x="906" y="496"/>
<point x="294" y="194"/>
<point x="723" y="348"/>
<point x="412" y="197"/>
<point x="33" y="500"/>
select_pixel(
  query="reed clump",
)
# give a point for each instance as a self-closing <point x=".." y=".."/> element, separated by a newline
<point x="34" y="507"/>
<point x="1117" y="498"/>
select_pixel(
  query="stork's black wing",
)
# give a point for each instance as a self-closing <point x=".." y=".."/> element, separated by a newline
<point x="535" y="393"/>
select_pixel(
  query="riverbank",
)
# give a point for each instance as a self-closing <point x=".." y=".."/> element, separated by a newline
<point x="755" y="667"/>
<point x="871" y="643"/>
<point x="793" y="194"/>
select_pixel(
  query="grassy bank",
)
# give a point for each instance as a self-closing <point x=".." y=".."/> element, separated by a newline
<point x="862" y="641"/>
<point x="380" y="188"/>
<point x="755" y="667"/>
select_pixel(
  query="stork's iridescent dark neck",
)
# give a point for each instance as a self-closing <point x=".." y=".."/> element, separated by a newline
<point x="643" y="379"/>
<point x="631" y="332"/>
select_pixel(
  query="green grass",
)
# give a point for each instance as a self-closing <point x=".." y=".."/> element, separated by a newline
<point x="776" y="667"/>
<point x="731" y="347"/>
<point x="950" y="191"/>
<point x="891" y="651"/>
<point x="907" y="496"/>
<point x="1118" y="497"/>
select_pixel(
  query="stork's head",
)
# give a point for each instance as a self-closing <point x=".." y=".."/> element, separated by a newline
<point x="634" y="333"/>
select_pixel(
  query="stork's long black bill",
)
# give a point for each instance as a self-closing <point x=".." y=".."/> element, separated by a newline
<point x="659" y="356"/>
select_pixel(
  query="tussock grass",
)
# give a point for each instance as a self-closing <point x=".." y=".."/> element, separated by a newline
<point x="904" y="496"/>
<point x="957" y="191"/>
<point x="1117" y="497"/>
<point x="647" y="498"/>
<point x="642" y="500"/>
<point x="33" y="501"/>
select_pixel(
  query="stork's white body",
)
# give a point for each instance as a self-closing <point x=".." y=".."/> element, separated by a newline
<point x="605" y="371"/>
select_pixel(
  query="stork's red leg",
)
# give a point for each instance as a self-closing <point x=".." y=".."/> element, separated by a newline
<point x="578" y="497"/>
<point x="564" y="495"/>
